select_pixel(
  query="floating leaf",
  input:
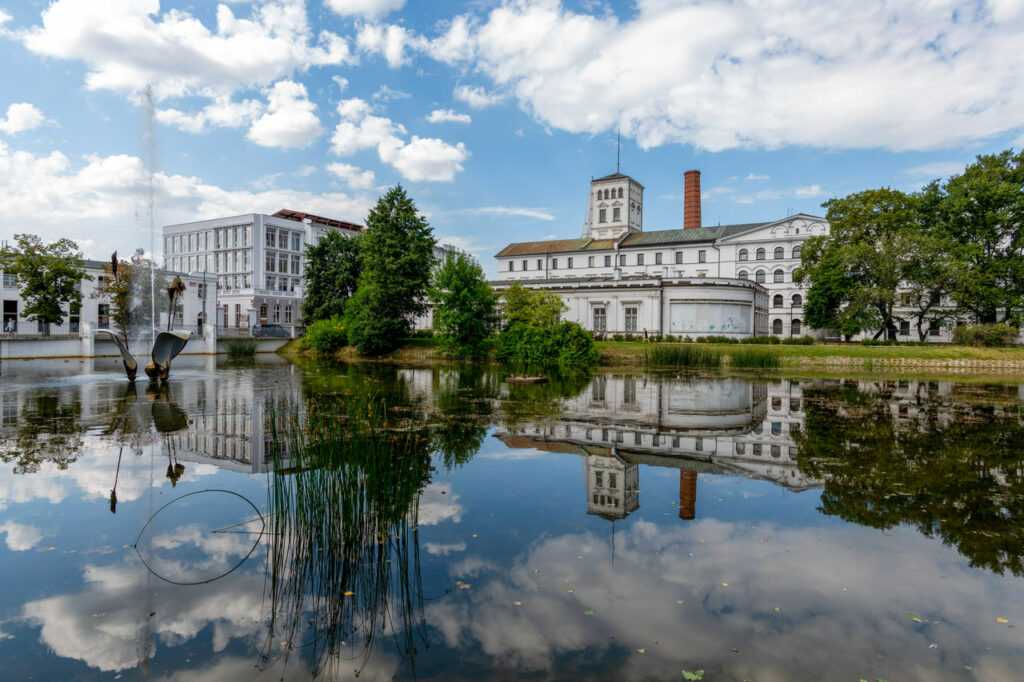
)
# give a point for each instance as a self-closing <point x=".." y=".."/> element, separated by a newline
<point x="641" y="651"/>
<point x="588" y="612"/>
<point x="694" y="675"/>
<point x="777" y="608"/>
<point x="914" y="618"/>
<point x="679" y="601"/>
<point x="1001" y="620"/>
<point x="570" y="590"/>
<point x="725" y="584"/>
<point x="517" y="603"/>
<point x="349" y="593"/>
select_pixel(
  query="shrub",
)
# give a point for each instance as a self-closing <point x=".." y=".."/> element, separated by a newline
<point x="565" y="343"/>
<point x="681" y="355"/>
<point x="798" y="341"/>
<point x="656" y="338"/>
<point x="761" y="340"/>
<point x="992" y="335"/>
<point x="877" y="342"/>
<point x="327" y="336"/>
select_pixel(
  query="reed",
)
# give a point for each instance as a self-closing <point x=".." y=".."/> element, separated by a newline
<point x="681" y="355"/>
<point x="754" y="358"/>
<point x="240" y="349"/>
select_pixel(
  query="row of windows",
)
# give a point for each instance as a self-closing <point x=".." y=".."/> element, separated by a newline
<point x="283" y="239"/>
<point x="759" y="276"/>
<point x="275" y="283"/>
<point x="778" y="302"/>
<point x="794" y="327"/>
<point x="602" y="215"/>
<point x="641" y="259"/>
<point x="208" y="240"/>
<point x="219" y="262"/>
<point x="609" y="193"/>
<point x="779" y="254"/>
<point x="278" y="262"/>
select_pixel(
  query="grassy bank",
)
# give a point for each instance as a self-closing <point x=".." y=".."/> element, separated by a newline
<point x="411" y="352"/>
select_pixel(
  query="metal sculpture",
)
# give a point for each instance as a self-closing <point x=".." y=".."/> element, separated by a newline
<point x="169" y="343"/>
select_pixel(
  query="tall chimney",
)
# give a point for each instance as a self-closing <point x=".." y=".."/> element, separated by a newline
<point x="691" y="199"/>
<point x="687" y="494"/>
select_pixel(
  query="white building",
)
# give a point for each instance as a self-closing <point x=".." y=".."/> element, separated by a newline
<point x="258" y="261"/>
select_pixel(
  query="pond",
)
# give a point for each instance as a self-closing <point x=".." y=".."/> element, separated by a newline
<point x="290" y="521"/>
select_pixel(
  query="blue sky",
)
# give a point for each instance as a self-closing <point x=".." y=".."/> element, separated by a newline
<point x="493" y="114"/>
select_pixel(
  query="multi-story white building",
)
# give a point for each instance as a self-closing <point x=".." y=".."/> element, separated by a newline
<point x="728" y="280"/>
<point x="257" y="259"/>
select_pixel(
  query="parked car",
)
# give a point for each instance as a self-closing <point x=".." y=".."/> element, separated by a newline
<point x="270" y="331"/>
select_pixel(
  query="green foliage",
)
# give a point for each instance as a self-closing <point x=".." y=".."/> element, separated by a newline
<point x="49" y="275"/>
<point x="681" y="355"/>
<point x="798" y="341"/>
<point x="397" y="254"/>
<point x="751" y="357"/>
<point x="991" y="335"/>
<point x="332" y="273"/>
<point x="327" y="336"/>
<point x="465" y="306"/>
<point x="241" y="348"/>
<point x="531" y="306"/>
<point x="565" y="343"/>
<point x="117" y="289"/>
<point x="760" y="340"/>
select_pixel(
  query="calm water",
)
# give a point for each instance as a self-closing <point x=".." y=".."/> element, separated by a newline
<point x="288" y="521"/>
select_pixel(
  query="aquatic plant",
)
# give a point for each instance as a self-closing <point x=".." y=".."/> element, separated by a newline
<point x="681" y="355"/>
<point x="240" y="349"/>
<point x="754" y="358"/>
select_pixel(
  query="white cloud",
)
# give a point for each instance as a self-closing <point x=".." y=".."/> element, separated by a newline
<point x="437" y="504"/>
<point x="804" y="192"/>
<point x="515" y="211"/>
<point x="20" y="537"/>
<point x="419" y="160"/>
<point x="754" y="176"/>
<point x="477" y="97"/>
<point x="21" y="116"/>
<point x="448" y="115"/>
<point x="439" y="549"/>
<point x="341" y="82"/>
<point x="127" y="44"/>
<point x="937" y="169"/>
<point x="386" y="94"/>
<point x="369" y="9"/>
<point x="221" y="113"/>
<point x="391" y="41"/>
<point x="289" y="122"/>
<point x="354" y="177"/>
<point x="752" y="74"/>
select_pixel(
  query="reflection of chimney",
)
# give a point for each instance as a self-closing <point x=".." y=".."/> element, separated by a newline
<point x="691" y="199"/>
<point x="687" y="494"/>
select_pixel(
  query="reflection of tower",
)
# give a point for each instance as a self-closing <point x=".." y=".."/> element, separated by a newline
<point x="687" y="494"/>
<point x="611" y="486"/>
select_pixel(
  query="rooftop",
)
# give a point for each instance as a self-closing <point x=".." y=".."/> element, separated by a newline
<point x="299" y="216"/>
<point x="696" y="234"/>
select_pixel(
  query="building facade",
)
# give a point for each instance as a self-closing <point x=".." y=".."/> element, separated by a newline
<point x="258" y="262"/>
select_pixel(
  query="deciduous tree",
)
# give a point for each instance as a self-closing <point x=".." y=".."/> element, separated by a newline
<point x="465" y="306"/>
<point x="332" y="275"/>
<point x="50" y="276"/>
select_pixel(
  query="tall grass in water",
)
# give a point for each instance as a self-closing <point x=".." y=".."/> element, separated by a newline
<point x="754" y="358"/>
<point x="343" y="504"/>
<point x="240" y="349"/>
<point x="681" y="355"/>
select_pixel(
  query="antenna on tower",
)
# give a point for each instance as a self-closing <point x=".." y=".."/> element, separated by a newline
<point x="618" y="148"/>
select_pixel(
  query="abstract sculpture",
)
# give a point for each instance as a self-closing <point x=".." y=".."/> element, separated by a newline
<point x="169" y="343"/>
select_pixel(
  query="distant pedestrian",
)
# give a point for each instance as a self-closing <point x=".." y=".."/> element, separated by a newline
<point x="646" y="339"/>
<point x="9" y="327"/>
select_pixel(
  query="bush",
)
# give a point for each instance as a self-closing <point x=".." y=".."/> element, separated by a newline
<point x="877" y="342"/>
<point x="565" y="343"/>
<point x="761" y="340"/>
<point x="240" y="349"/>
<point x="681" y="355"/>
<point x="991" y="335"/>
<point x="327" y="336"/>
<point x="754" y="358"/>
<point x="798" y="341"/>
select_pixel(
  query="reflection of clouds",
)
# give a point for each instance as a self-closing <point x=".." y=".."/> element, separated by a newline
<point x="101" y="626"/>
<point x="835" y="611"/>
<point x="20" y="537"/>
<point x="437" y="504"/>
<point x="439" y="549"/>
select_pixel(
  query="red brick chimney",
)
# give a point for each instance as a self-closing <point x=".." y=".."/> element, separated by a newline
<point x="687" y="494"/>
<point x="691" y="199"/>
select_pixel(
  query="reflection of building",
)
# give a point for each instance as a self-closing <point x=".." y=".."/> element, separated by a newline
<point x="612" y="485"/>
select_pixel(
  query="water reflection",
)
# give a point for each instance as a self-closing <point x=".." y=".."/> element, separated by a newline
<point x="441" y="523"/>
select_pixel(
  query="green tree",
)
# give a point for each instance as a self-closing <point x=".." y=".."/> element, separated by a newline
<point x="981" y="214"/>
<point x="397" y="255"/>
<point x="50" y="276"/>
<point x="116" y="288"/>
<point x="872" y="239"/>
<point x="465" y="306"/>
<point x="332" y="274"/>
<point x="530" y="306"/>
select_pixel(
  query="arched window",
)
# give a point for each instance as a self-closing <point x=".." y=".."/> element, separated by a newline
<point x="620" y="192"/>
<point x="779" y="276"/>
<point x="796" y="251"/>
<point x="759" y="276"/>
<point x="777" y="301"/>
<point x="744" y="255"/>
<point x="743" y="274"/>
<point x="760" y="254"/>
<point x="776" y="327"/>
<point x="794" y="328"/>
<point x="798" y="300"/>
<point x="607" y="194"/>
<point x="780" y="253"/>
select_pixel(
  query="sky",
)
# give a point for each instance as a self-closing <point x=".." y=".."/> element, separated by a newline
<point x="493" y="114"/>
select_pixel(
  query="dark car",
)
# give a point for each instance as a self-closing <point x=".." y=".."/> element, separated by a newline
<point x="270" y="331"/>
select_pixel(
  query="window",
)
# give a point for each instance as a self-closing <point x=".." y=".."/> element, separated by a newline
<point x="679" y="257"/>
<point x="10" y="281"/>
<point x="702" y="256"/>
<point x="798" y="300"/>
<point x="620" y="192"/>
<point x="524" y="266"/>
<point x="631" y="318"/>
<point x="777" y="301"/>
<point x="296" y="265"/>
<point x="554" y="263"/>
<point x="796" y="251"/>
<point x="657" y="258"/>
<point x="778" y="276"/>
<point x="540" y="263"/>
<point x="743" y="274"/>
<point x="616" y="214"/>
<point x="282" y="262"/>
<point x="271" y="263"/>
<point x="282" y="239"/>
<point x="622" y="259"/>
<point x="511" y="266"/>
<point x="607" y="261"/>
<point x="741" y="448"/>
<point x="288" y="314"/>
<point x="271" y="238"/>
<point x="760" y="254"/>
<point x="569" y="262"/>
<point x="277" y="312"/>
<point x="296" y="241"/>
<point x="744" y="255"/>
<point x="933" y="328"/>
<point x="794" y="328"/>
<point x="639" y="259"/>
<point x="776" y="326"/>
<point x="599" y="479"/>
<point x="600" y="319"/>
<point x="590" y="261"/>
<point x="759" y="276"/>
<point x="780" y="253"/>
<point x="602" y="215"/>
<point x="904" y="327"/>
<point x="271" y="282"/>
<point x="103" y="315"/>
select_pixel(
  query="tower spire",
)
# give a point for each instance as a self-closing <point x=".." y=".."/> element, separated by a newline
<point x="618" y="148"/>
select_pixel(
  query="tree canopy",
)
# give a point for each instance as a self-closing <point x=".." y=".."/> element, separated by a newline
<point x="530" y="306"/>
<point x="332" y="273"/>
<point x="465" y="306"/>
<point x="50" y="276"/>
